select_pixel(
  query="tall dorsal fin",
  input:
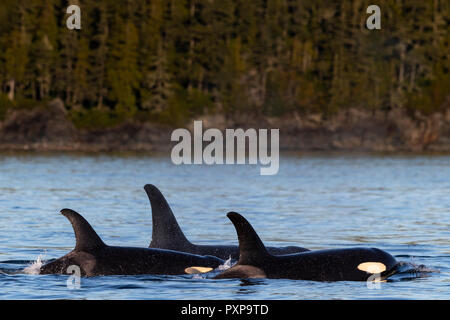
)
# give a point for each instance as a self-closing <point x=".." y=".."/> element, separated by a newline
<point x="86" y="238"/>
<point x="166" y="233"/>
<point x="251" y="248"/>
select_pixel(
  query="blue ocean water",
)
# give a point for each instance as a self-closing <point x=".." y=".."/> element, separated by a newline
<point x="400" y="204"/>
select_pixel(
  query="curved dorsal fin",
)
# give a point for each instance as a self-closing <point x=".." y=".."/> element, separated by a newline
<point x="87" y="239"/>
<point x="166" y="233"/>
<point x="251" y="248"/>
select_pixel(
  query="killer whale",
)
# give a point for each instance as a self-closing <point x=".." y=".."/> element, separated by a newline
<point x="351" y="264"/>
<point x="167" y="234"/>
<point x="94" y="257"/>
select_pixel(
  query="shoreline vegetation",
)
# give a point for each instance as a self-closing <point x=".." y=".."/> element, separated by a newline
<point x="139" y="69"/>
<point x="49" y="127"/>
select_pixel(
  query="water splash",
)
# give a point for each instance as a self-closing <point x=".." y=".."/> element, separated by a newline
<point x="198" y="276"/>
<point x="226" y="265"/>
<point x="35" y="267"/>
<point x="407" y="270"/>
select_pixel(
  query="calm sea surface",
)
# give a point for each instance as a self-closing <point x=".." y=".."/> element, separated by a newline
<point x="400" y="204"/>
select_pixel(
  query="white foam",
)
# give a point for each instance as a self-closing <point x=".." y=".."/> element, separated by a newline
<point x="412" y="267"/>
<point x="226" y="265"/>
<point x="35" y="267"/>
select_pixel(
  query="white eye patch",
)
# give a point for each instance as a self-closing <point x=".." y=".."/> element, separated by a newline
<point x="372" y="267"/>
<point x="195" y="270"/>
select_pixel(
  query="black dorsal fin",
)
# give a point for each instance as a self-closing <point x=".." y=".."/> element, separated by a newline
<point x="87" y="239"/>
<point x="166" y="233"/>
<point x="251" y="248"/>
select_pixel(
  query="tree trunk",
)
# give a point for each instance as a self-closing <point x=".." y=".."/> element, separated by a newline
<point x="11" y="85"/>
<point x="191" y="44"/>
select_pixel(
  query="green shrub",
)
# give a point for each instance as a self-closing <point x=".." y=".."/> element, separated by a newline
<point x="5" y="104"/>
<point x="96" y="118"/>
<point x="183" y="106"/>
<point x="29" y="104"/>
<point x="432" y="96"/>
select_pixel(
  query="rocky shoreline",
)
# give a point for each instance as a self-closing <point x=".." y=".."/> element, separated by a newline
<point x="352" y="130"/>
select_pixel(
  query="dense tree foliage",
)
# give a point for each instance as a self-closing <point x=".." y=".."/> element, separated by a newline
<point x="170" y="60"/>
